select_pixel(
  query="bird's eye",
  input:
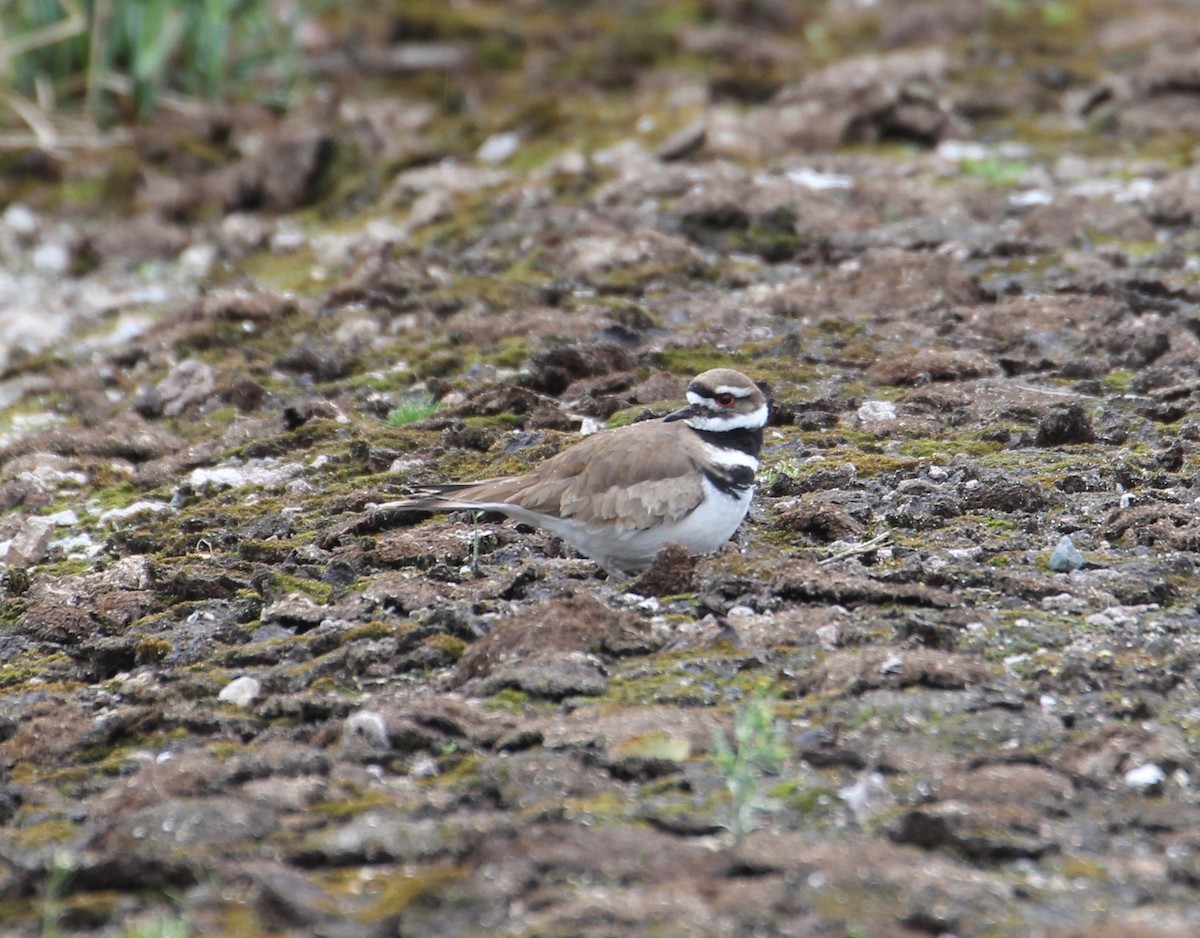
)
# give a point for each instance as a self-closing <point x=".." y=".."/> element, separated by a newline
<point x="726" y="399"/>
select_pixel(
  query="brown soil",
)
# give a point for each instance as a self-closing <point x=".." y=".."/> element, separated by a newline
<point x="957" y="239"/>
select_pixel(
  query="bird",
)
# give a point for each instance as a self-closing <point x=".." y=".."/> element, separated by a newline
<point x="619" y="496"/>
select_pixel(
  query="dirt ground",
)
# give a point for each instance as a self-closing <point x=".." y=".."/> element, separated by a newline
<point x="957" y="239"/>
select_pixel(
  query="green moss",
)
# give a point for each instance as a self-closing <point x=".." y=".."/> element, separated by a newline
<point x="43" y="834"/>
<point x="623" y="418"/>
<point x="68" y="566"/>
<point x="686" y="678"/>
<point x="508" y="698"/>
<point x="291" y="271"/>
<point x="117" y="496"/>
<point x="352" y="807"/>
<point x="869" y="464"/>
<point x="152" y="650"/>
<point x="509" y="352"/>
<point x="452" y="646"/>
<point x="688" y="362"/>
<point x="370" y="631"/>
<point x="11" y="612"/>
<point x="1119" y="381"/>
<point x="994" y="171"/>
<point x="314" y="589"/>
<point x="400" y="891"/>
<point x="28" y="665"/>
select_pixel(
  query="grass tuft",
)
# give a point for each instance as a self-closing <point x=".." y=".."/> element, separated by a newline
<point x="758" y="749"/>
<point x="120" y="58"/>
<point x="413" y="410"/>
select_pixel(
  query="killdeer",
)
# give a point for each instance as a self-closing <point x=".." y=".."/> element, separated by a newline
<point x="619" y="495"/>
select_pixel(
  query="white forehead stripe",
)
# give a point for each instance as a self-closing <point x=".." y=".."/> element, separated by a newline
<point x="700" y="399"/>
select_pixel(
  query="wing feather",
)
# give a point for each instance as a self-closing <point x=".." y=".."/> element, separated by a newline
<point x="595" y="478"/>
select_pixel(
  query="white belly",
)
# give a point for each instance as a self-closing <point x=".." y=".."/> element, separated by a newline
<point x="703" y="531"/>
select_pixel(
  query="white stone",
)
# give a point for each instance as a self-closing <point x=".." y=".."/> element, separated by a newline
<point x="21" y="219"/>
<point x="877" y="410"/>
<point x="1147" y="775"/>
<point x="51" y="258"/>
<point x="818" y="181"/>
<point x="241" y="691"/>
<point x="867" y="796"/>
<point x="136" y="508"/>
<point x="498" y="147"/>
<point x="29" y="545"/>
<point x="370" y="725"/>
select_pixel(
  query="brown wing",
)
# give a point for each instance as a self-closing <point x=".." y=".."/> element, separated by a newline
<point x="641" y="474"/>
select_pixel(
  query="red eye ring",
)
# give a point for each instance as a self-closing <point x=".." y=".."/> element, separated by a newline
<point x="725" y="400"/>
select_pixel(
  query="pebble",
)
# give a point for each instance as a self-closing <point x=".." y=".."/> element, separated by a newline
<point x="819" y="181"/>
<point x="197" y="260"/>
<point x="877" y="410"/>
<point x="242" y="691"/>
<point x="21" y="219"/>
<point x="498" y="147"/>
<point x="51" y="258"/>
<point x="867" y="796"/>
<point x="1116" y="616"/>
<point x="29" y="545"/>
<point x="829" y="636"/>
<point x="1066" y="556"/>
<point x="266" y="473"/>
<point x="120" y="514"/>
<point x="1145" y="776"/>
<point x="368" y="725"/>
<point x="1064" y="602"/>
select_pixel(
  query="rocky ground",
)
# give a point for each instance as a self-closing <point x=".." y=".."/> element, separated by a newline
<point x="958" y="239"/>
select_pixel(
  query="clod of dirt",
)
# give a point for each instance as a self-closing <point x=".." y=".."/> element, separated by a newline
<point x="868" y="98"/>
<point x="1156" y="523"/>
<point x="820" y="522"/>
<point x="554" y="370"/>
<point x="854" y="670"/>
<point x="672" y="572"/>
<point x="551" y="650"/>
<point x="1065" y="427"/>
<point x="807" y="581"/>
<point x="190" y="383"/>
<point x="933" y="366"/>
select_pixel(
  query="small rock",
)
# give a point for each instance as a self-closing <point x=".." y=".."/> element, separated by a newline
<point x="243" y="691"/>
<point x="130" y="573"/>
<point x="21" y="219"/>
<point x="829" y="636"/>
<point x="294" y="611"/>
<point x="867" y="796"/>
<point x="892" y="665"/>
<point x="367" y="725"/>
<point x="51" y="258"/>
<point x="190" y="382"/>
<point x="498" y="147"/>
<point x="1066" y="556"/>
<point x="683" y="143"/>
<point x="877" y="410"/>
<point x="29" y="545"/>
<point x="1145" y="777"/>
<point x="198" y="259"/>
<point x="135" y="508"/>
